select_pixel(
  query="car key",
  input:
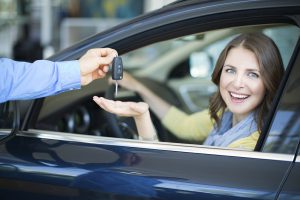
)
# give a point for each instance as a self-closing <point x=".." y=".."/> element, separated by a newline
<point x="117" y="71"/>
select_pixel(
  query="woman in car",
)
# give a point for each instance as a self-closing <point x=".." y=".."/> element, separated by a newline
<point x="247" y="74"/>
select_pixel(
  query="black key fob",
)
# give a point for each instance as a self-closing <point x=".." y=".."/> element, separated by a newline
<point x="117" y="68"/>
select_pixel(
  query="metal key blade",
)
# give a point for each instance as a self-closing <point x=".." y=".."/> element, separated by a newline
<point x="116" y="88"/>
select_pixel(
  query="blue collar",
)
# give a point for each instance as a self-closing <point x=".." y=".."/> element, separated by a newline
<point x="226" y="134"/>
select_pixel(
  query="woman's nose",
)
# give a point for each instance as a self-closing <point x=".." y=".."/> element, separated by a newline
<point x="238" y="81"/>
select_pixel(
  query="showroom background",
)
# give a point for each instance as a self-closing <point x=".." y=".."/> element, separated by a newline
<point x="36" y="29"/>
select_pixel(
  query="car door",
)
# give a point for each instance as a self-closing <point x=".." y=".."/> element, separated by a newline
<point x="284" y="133"/>
<point x="290" y="189"/>
<point x="43" y="164"/>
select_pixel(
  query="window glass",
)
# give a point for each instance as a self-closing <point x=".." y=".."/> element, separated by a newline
<point x="286" y="38"/>
<point x="194" y="88"/>
<point x="285" y="130"/>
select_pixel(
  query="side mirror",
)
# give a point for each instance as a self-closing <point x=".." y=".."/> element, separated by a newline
<point x="9" y="120"/>
<point x="201" y="64"/>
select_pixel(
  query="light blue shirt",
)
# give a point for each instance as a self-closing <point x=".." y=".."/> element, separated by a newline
<point x="22" y="80"/>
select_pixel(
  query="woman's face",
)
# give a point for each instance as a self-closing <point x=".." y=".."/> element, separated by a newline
<point x="241" y="84"/>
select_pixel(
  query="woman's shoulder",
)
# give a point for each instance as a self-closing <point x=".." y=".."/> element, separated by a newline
<point x="247" y="143"/>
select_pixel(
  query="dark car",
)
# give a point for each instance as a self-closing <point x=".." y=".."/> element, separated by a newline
<point x="66" y="147"/>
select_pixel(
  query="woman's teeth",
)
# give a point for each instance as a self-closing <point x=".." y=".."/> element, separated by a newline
<point x="239" y="96"/>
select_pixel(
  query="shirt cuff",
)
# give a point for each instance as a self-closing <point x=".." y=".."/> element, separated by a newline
<point x="69" y="74"/>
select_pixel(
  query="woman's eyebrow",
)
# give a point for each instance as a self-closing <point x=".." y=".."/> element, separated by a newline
<point x="229" y="66"/>
<point x="254" y="69"/>
<point x="247" y="69"/>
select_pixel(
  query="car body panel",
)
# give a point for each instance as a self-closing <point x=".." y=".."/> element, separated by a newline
<point x="127" y="171"/>
<point x="291" y="187"/>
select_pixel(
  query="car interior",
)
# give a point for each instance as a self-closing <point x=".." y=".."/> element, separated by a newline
<point x="178" y="70"/>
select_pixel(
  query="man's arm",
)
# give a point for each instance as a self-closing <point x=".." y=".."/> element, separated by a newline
<point x="22" y="80"/>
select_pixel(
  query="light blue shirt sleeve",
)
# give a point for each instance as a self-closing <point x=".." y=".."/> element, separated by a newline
<point x="22" y="80"/>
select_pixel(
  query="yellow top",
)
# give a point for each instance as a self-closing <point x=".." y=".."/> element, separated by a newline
<point x="196" y="127"/>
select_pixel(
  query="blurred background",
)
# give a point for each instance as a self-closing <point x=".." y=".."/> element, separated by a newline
<point x="36" y="29"/>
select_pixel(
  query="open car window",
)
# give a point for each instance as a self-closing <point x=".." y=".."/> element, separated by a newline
<point x="178" y="70"/>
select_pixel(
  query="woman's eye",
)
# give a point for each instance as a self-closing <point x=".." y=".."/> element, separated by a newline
<point x="229" y="71"/>
<point x="253" y="75"/>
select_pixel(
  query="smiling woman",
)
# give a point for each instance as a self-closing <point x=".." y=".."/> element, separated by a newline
<point x="241" y="87"/>
<point x="257" y="68"/>
<point x="246" y="73"/>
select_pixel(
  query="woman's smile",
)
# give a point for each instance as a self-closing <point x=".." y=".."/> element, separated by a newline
<point x="238" y="98"/>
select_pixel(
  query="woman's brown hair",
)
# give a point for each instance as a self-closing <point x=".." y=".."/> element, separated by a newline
<point x="271" y="69"/>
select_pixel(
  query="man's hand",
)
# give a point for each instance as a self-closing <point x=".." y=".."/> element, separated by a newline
<point x="95" y="63"/>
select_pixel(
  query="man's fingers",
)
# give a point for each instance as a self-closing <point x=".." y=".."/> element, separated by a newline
<point x="101" y="73"/>
<point x="103" y="52"/>
<point x="107" y="60"/>
<point x="105" y="68"/>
